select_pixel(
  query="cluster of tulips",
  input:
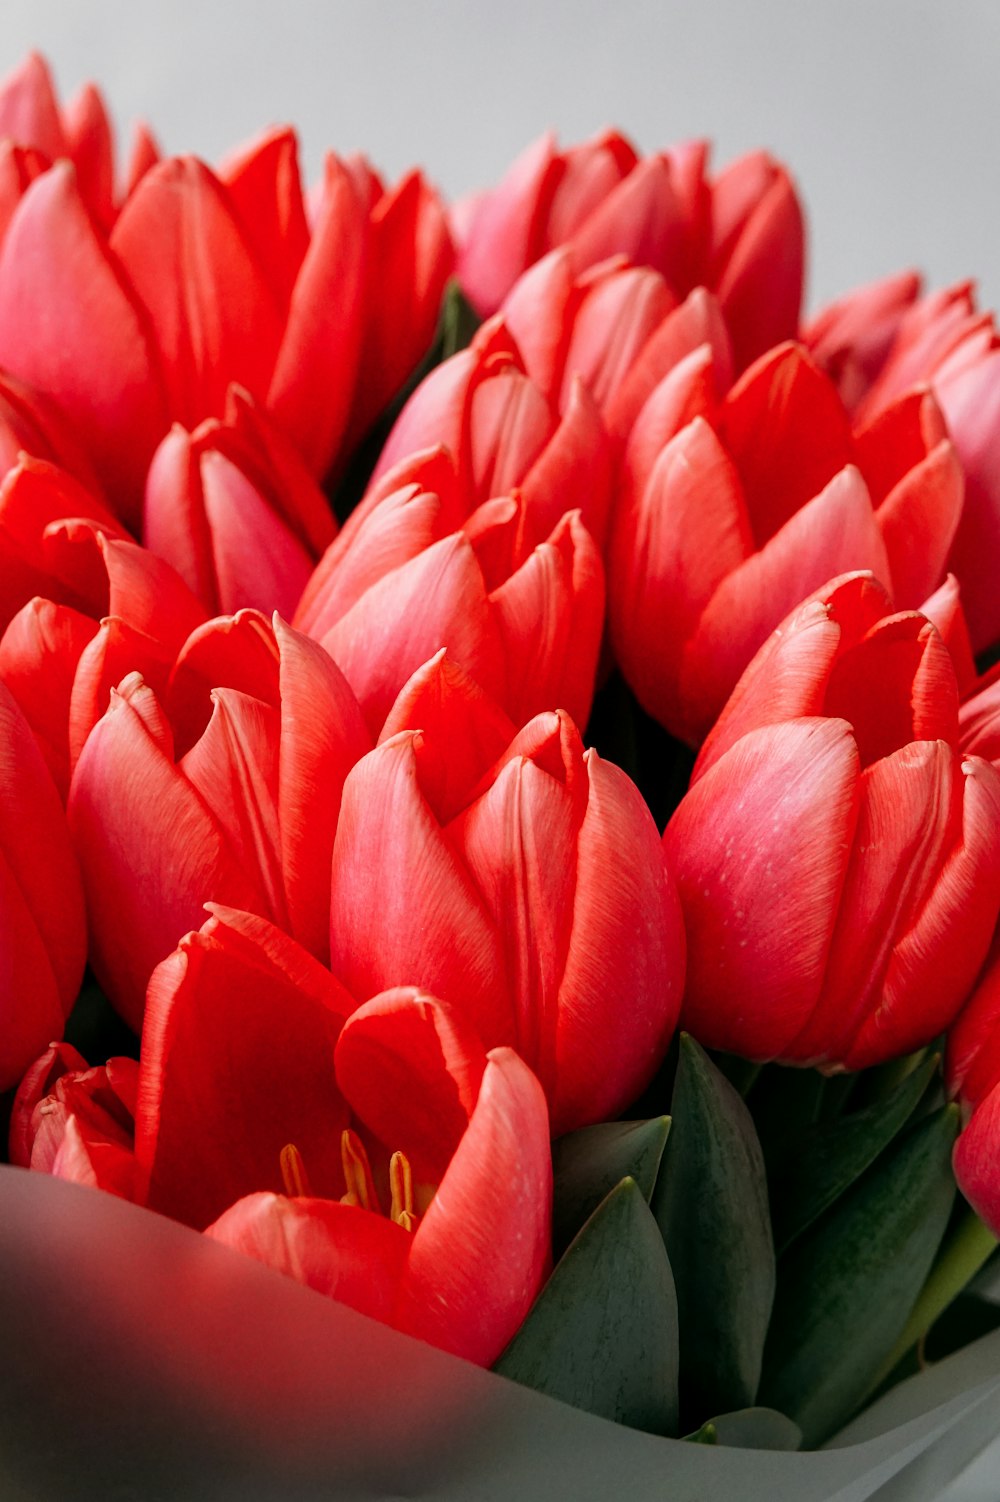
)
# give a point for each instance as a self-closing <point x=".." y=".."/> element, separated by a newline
<point x="447" y="649"/>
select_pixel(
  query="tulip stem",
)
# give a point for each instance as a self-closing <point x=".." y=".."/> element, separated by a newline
<point x="964" y="1252"/>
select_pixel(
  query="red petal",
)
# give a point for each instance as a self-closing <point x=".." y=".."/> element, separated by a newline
<point x="918" y="521"/>
<point x="39" y="653"/>
<point x="411" y="1069"/>
<point x="312" y="386"/>
<point x="237" y="651"/>
<point x="214" y="318"/>
<point x="70" y="325"/>
<point x="265" y="190"/>
<point x="237" y="1062"/>
<point x="504" y="236"/>
<point x="480" y="1253"/>
<point x="337" y="1250"/>
<point x="977" y="1161"/>
<point x="766" y="830"/>
<point x="624" y="976"/>
<point x="29" y="112"/>
<point x="404" y="910"/>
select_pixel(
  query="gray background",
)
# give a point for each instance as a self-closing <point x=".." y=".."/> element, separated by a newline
<point x="886" y="110"/>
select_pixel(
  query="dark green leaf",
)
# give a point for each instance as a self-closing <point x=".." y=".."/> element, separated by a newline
<point x="589" y="1163"/>
<point x="847" y="1285"/>
<point x="750" y="1429"/>
<point x="602" y="1333"/>
<point x="457" y="323"/>
<point x="821" y="1162"/>
<point x="710" y="1202"/>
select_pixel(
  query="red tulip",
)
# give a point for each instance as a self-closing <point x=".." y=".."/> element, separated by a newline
<point x="729" y="513"/>
<point x="448" y="1259"/>
<point x="940" y="341"/>
<point x="32" y="117"/>
<point x="618" y="327"/>
<point x="522" y="880"/>
<point x="851" y="338"/>
<point x="741" y="235"/>
<point x="206" y="280"/>
<point x="236" y="512"/>
<point x="501" y="433"/>
<point x="525" y="622"/>
<point x="41" y="902"/>
<point x="102" y="607"/>
<point x="227" y="792"/>
<point x="973" y="1071"/>
<point x="76" y="1122"/>
<point x="874" y="838"/>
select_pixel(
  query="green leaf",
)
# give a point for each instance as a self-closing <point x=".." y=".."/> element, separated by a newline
<point x="710" y="1202"/>
<point x="847" y="1285"/>
<point x="587" y="1165"/>
<point x="457" y="322"/>
<point x="821" y="1162"/>
<point x="750" y="1429"/>
<point x="602" y="1333"/>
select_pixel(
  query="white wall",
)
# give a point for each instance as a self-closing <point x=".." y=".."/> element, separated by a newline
<point x="885" y="109"/>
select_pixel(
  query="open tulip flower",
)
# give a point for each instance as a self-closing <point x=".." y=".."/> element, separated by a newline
<point x="740" y="235"/>
<point x="357" y="1149"/>
<point x="416" y="575"/>
<point x="730" y="513"/>
<point x="41" y="901"/>
<point x="522" y="877"/>
<point x="227" y="790"/>
<point x="832" y="790"/>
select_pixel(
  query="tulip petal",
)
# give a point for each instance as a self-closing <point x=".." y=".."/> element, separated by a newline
<point x="918" y="521"/>
<point x="237" y="651"/>
<point x="479" y="1256"/>
<point x="411" y="1069"/>
<point x="404" y="910"/>
<point x="39" y="653"/>
<point x="836" y="532"/>
<point x="237" y="1062"/>
<point x="150" y="851"/>
<point x="977" y="1161"/>
<point x="337" y="1250"/>
<point x="69" y="324"/>
<point x="766" y="830"/>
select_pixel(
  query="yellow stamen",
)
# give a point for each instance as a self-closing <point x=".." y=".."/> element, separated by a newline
<point x="401" y="1185"/>
<point x="357" y="1173"/>
<point x="293" y="1171"/>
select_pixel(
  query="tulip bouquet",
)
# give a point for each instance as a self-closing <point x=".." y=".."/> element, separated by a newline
<point x="499" y="831"/>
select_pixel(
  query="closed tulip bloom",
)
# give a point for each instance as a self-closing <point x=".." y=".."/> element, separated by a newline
<point x="41" y="902"/>
<point x="77" y="1122"/>
<point x="355" y="1149"/>
<point x="233" y="508"/>
<point x="740" y="235"/>
<point x="729" y="513"/>
<point x="942" y="342"/>
<point x="502" y="433"/>
<point x="524" y="621"/>
<point x="619" y="327"/>
<point x="523" y="879"/>
<point x="104" y="607"/>
<point x="876" y="839"/>
<point x="226" y="790"/>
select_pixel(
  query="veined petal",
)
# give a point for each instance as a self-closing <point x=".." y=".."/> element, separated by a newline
<point x="480" y="1253"/>
<point x="237" y="1062"/>
<point x="766" y="830"/>
<point x="410" y="1068"/>
<point x="39" y="653"/>
<point x="614" y="1020"/>
<point x="404" y="910"/>
<point x="918" y="521"/>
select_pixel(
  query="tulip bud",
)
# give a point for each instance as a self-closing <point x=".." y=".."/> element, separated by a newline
<point x="228" y="792"/>
<point x="497" y="893"/>
<point x="730" y="513"/>
<point x="872" y="835"/>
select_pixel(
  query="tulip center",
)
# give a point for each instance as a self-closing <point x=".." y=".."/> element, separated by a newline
<point x="358" y="1177"/>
